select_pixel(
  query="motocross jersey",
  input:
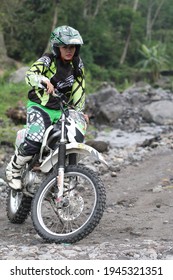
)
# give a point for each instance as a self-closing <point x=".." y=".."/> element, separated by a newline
<point x="62" y="76"/>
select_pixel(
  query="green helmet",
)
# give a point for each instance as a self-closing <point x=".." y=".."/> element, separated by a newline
<point x="65" y="35"/>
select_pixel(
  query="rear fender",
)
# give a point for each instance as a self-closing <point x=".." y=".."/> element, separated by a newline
<point x="78" y="148"/>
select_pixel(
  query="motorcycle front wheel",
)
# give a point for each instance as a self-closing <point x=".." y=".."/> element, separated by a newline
<point x="77" y="214"/>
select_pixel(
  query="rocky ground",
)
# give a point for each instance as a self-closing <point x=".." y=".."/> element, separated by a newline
<point x="138" y="220"/>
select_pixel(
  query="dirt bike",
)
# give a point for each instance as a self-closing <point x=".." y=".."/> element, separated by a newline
<point x="66" y="199"/>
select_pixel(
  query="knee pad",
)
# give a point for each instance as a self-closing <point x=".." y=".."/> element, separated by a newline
<point x="29" y="147"/>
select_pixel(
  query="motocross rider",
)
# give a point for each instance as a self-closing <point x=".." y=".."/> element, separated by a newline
<point x="63" y="69"/>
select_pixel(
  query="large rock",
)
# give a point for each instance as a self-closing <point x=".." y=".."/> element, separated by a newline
<point x="137" y="105"/>
<point x="19" y="75"/>
<point x="106" y="106"/>
<point x="160" y="112"/>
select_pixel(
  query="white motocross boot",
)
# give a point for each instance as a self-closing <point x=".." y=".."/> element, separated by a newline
<point x="13" y="170"/>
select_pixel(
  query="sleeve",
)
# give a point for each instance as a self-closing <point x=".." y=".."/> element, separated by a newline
<point x="78" y="92"/>
<point x="35" y="74"/>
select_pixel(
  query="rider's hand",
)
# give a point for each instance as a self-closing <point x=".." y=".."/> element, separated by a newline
<point x="50" y="87"/>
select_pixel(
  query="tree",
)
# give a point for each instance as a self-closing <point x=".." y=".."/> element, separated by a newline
<point x="3" y="51"/>
<point x="124" y="53"/>
<point x="5" y="9"/>
<point x="154" y="8"/>
<point x="92" y="8"/>
<point x="4" y="59"/>
<point x="54" y="21"/>
<point x="27" y="27"/>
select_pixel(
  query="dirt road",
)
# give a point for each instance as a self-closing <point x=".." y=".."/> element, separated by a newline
<point x="137" y="223"/>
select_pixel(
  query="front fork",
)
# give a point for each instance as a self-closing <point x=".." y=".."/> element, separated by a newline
<point x="61" y="161"/>
<point x="61" y="170"/>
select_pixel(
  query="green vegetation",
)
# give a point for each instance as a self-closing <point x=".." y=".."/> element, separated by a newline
<point x="8" y="133"/>
<point x="154" y="59"/>
<point x="10" y="95"/>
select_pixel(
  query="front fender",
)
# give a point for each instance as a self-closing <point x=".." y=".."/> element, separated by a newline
<point x="78" y="148"/>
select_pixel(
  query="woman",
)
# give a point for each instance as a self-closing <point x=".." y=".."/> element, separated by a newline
<point x="63" y="69"/>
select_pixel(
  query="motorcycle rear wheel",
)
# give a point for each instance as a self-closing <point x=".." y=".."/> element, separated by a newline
<point x="77" y="214"/>
<point x="18" y="206"/>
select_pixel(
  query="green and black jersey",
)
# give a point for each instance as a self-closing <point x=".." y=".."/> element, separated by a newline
<point x="68" y="78"/>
